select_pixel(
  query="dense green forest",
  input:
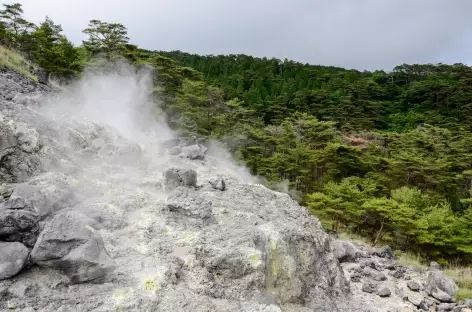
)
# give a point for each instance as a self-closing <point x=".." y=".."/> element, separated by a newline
<point x="385" y="155"/>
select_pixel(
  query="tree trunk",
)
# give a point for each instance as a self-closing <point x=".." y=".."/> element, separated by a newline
<point x="378" y="233"/>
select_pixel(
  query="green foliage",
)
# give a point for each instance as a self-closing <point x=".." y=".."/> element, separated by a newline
<point x="386" y="156"/>
<point x="106" y="38"/>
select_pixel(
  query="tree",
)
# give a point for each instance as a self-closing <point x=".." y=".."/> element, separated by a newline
<point x="107" y="38"/>
<point x="17" y="29"/>
<point x="54" y="52"/>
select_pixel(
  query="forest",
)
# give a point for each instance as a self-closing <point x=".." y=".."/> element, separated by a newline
<point x="383" y="155"/>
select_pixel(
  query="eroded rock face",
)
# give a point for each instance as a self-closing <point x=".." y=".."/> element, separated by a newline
<point x="70" y="244"/>
<point x="13" y="257"/>
<point x="19" y="146"/>
<point x="18" y="221"/>
<point x="48" y="193"/>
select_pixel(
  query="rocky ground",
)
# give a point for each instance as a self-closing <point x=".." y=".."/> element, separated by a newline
<point x="103" y="209"/>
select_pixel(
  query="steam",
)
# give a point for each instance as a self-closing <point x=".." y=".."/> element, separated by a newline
<point x="115" y="107"/>
<point x="119" y="99"/>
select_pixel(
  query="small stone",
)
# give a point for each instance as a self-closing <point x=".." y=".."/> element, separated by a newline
<point x="384" y="292"/>
<point x="218" y="184"/>
<point x="414" y="286"/>
<point x="369" y="287"/>
<point x="415" y="299"/>
<point x="374" y="274"/>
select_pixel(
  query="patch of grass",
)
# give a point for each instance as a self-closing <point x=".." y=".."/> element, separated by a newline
<point x="355" y="238"/>
<point x="14" y="61"/>
<point x="411" y="259"/>
<point x="463" y="277"/>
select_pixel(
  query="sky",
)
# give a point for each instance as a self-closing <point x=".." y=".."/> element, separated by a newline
<point x="360" y="34"/>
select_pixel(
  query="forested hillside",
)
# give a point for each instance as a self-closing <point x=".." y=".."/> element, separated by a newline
<point x="386" y="155"/>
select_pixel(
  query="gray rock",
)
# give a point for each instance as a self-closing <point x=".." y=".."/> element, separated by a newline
<point x="415" y="299"/>
<point x="218" y="184"/>
<point x="434" y="265"/>
<point x="18" y="152"/>
<point x="70" y="244"/>
<point x="441" y="296"/>
<point x="414" y="286"/>
<point x="48" y="193"/>
<point x="13" y="257"/>
<point x="179" y="177"/>
<point x="186" y="202"/>
<point x="194" y="152"/>
<point x="374" y="274"/>
<point x="384" y="292"/>
<point x="345" y="251"/>
<point x="400" y="273"/>
<point x="18" y="222"/>
<point x="440" y="286"/>
<point x="384" y="252"/>
<point x="43" y="75"/>
<point x="175" y="150"/>
<point x="446" y="306"/>
<point x="424" y="305"/>
<point x="369" y="287"/>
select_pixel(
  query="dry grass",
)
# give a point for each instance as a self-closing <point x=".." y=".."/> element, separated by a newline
<point x="16" y="62"/>
<point x="354" y="238"/>
<point x="463" y="277"/>
<point x="411" y="259"/>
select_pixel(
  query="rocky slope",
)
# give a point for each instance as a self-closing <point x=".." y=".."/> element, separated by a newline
<point x="103" y="209"/>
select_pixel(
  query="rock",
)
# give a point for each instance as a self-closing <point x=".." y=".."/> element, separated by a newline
<point x="48" y="193"/>
<point x="424" y="306"/>
<point x="18" y="221"/>
<point x="70" y="244"/>
<point x="176" y="150"/>
<point x="414" y="286"/>
<point x="345" y="251"/>
<point x="400" y="273"/>
<point x="19" y="146"/>
<point x="356" y="277"/>
<point x="440" y="286"/>
<point x="466" y="310"/>
<point x="384" y="292"/>
<point x="369" y="287"/>
<point x="374" y="274"/>
<point x="434" y="265"/>
<point x="179" y="177"/>
<point x="13" y="257"/>
<point x="446" y="306"/>
<point x="194" y="152"/>
<point x="218" y="184"/>
<point x="441" y="296"/>
<point x="384" y="252"/>
<point x="185" y="202"/>
<point x="43" y="75"/>
<point x="415" y="299"/>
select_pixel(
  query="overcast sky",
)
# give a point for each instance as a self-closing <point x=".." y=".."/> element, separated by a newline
<point x="362" y="34"/>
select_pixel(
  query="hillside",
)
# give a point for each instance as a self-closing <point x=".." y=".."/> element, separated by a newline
<point x="381" y="155"/>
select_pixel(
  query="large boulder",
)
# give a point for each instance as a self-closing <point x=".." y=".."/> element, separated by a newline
<point x="18" y="221"/>
<point x="441" y="287"/>
<point x="13" y="257"/>
<point x="48" y="193"/>
<point x="70" y="244"/>
<point x="174" y="178"/>
<point x="345" y="251"/>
